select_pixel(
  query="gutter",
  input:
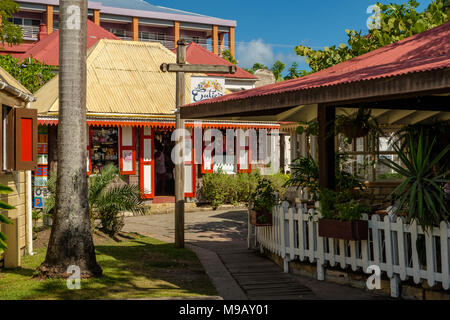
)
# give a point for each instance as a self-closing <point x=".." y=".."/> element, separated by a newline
<point x="16" y="92"/>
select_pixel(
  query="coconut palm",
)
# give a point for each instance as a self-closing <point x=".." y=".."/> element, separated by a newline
<point x="71" y="237"/>
<point x="3" y="219"/>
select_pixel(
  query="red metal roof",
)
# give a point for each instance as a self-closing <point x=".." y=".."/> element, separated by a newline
<point x="426" y="51"/>
<point x="47" y="49"/>
<point x="196" y="54"/>
<point x="16" y="50"/>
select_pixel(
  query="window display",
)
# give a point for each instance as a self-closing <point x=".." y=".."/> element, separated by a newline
<point x="104" y="147"/>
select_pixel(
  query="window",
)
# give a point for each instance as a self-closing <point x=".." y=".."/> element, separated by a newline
<point x="18" y="139"/>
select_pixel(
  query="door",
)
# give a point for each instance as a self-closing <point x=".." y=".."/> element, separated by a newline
<point x="147" y="163"/>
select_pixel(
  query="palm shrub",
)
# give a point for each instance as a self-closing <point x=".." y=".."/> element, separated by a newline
<point x="3" y="218"/>
<point x="421" y="194"/>
<point x="108" y="196"/>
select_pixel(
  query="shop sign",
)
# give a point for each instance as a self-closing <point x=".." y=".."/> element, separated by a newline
<point x="204" y="88"/>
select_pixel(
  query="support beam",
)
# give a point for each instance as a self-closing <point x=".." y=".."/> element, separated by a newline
<point x="294" y="148"/>
<point x="97" y="17"/>
<point x="221" y="42"/>
<point x="215" y="39"/>
<point x="176" y="33"/>
<point x="326" y="117"/>
<point x="49" y="18"/>
<point x="135" y="29"/>
<point x="231" y="41"/>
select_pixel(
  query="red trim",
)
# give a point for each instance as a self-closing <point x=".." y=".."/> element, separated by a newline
<point x="122" y="148"/>
<point x="244" y="148"/>
<point x="142" y="163"/>
<point x="89" y="169"/>
<point x="194" y="171"/>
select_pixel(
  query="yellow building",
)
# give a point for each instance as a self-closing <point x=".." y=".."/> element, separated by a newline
<point x="18" y="137"/>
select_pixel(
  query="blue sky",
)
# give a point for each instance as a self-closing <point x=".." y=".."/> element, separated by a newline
<point x="269" y="30"/>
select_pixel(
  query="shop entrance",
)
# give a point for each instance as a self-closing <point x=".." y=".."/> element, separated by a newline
<point x="164" y="167"/>
<point x="104" y="147"/>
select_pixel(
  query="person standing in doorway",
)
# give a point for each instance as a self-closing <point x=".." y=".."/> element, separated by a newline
<point x="161" y="171"/>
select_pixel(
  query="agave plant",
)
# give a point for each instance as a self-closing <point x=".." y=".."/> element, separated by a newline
<point x="421" y="193"/>
<point x="108" y="196"/>
<point x="3" y="218"/>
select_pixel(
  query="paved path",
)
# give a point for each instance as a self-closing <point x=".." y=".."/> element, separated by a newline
<point x="219" y="240"/>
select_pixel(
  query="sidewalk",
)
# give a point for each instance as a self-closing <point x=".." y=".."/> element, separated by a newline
<point x="219" y="240"/>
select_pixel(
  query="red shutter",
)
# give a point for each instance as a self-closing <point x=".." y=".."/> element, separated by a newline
<point x="147" y="163"/>
<point x="243" y="148"/>
<point x="26" y="139"/>
<point x="189" y="167"/>
<point x="127" y="151"/>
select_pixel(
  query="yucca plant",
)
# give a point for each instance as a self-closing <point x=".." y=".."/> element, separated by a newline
<point x="3" y="218"/>
<point x="421" y="193"/>
<point x="108" y="195"/>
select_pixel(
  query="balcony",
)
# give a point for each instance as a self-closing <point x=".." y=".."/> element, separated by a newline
<point x="30" y="32"/>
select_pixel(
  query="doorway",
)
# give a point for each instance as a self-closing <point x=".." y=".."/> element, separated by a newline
<point x="164" y="167"/>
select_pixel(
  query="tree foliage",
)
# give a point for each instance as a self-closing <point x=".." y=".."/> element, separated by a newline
<point x="9" y="32"/>
<point x="277" y="69"/>
<point x="256" y="66"/>
<point x="31" y="73"/>
<point x="226" y="54"/>
<point x="397" y="21"/>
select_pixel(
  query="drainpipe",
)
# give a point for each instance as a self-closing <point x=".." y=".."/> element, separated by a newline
<point x="29" y="210"/>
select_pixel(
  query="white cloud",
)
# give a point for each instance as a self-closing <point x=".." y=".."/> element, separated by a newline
<point x="249" y="53"/>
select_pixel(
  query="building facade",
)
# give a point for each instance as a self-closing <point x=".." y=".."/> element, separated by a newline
<point x="134" y="20"/>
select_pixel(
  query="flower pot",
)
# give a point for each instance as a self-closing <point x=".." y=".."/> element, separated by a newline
<point x="260" y="218"/>
<point x="345" y="230"/>
<point x="351" y="131"/>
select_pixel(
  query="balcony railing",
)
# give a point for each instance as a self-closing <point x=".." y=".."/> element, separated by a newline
<point x="30" y="32"/>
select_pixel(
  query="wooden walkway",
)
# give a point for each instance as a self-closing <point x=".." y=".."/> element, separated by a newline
<point x="260" y="278"/>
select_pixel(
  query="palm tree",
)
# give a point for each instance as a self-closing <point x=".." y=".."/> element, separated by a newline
<point x="109" y="195"/>
<point x="71" y="238"/>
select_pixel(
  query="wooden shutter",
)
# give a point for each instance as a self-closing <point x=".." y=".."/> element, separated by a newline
<point x="127" y="151"/>
<point x="190" y="176"/>
<point x="26" y="139"/>
<point x="147" y="163"/>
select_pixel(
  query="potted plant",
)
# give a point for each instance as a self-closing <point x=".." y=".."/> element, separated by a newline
<point x="262" y="201"/>
<point x="341" y="216"/>
<point x="356" y="125"/>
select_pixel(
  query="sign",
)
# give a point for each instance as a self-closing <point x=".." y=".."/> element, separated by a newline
<point x="40" y="181"/>
<point x="204" y="88"/>
<point x="41" y="171"/>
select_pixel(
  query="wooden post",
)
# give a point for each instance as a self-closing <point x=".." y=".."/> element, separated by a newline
<point x="179" y="168"/>
<point x="176" y="33"/>
<point x="97" y="17"/>
<point x="231" y="37"/>
<point x="326" y="116"/>
<point x="215" y="39"/>
<point x="282" y="153"/>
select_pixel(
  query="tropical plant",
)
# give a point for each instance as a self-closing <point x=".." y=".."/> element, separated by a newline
<point x="256" y="66"/>
<point x="422" y="191"/>
<point x="277" y="69"/>
<point x="305" y="173"/>
<point x="356" y="125"/>
<point x="397" y="21"/>
<point x="310" y="128"/>
<point x="264" y="198"/>
<point x="3" y="218"/>
<point x="9" y="32"/>
<point x="339" y="205"/>
<point x="31" y="73"/>
<point x="226" y="54"/>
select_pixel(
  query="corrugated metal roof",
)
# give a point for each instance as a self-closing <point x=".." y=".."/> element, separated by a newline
<point x="122" y="77"/>
<point x="426" y="51"/>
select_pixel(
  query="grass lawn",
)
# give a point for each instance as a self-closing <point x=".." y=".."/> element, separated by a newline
<point x="138" y="268"/>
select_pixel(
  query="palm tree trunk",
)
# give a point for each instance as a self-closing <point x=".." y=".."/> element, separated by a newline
<point x="71" y="238"/>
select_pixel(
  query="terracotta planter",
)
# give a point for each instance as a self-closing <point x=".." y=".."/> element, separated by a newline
<point x="346" y="230"/>
<point x="260" y="218"/>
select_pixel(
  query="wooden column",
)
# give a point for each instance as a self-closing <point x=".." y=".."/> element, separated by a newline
<point x="49" y="18"/>
<point x="282" y="152"/>
<point x="176" y="33"/>
<point x="179" y="168"/>
<point x="221" y="42"/>
<point x="97" y="17"/>
<point x="215" y="39"/>
<point x="326" y="116"/>
<point x="294" y="148"/>
<point x="135" y="29"/>
<point x="231" y="40"/>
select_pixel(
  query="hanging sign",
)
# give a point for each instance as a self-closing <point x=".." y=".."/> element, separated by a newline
<point x="204" y="88"/>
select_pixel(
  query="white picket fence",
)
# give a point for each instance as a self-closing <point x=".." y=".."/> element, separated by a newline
<point x="391" y="246"/>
